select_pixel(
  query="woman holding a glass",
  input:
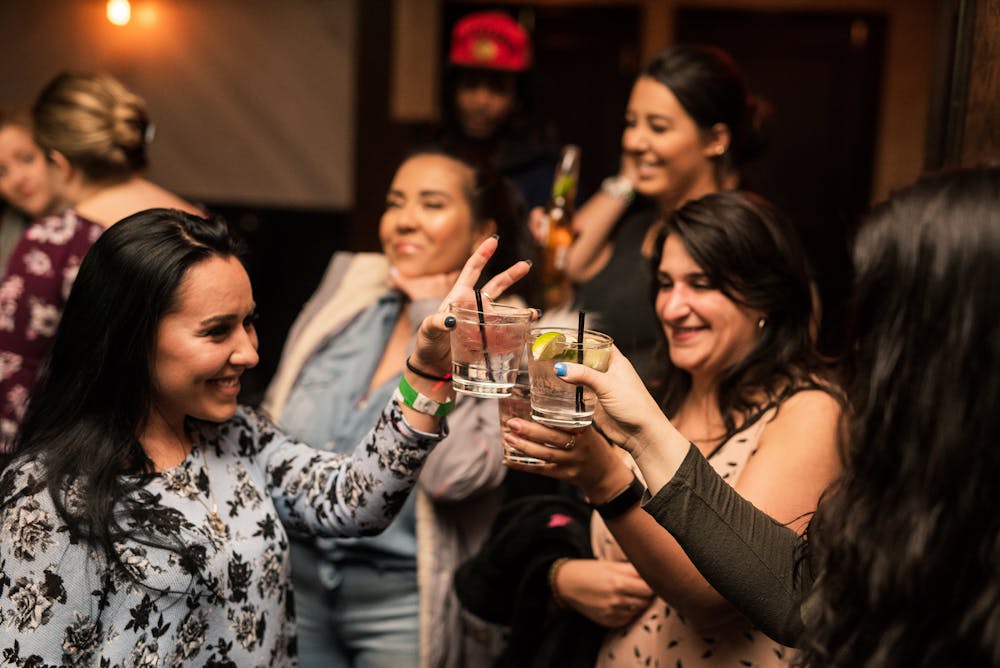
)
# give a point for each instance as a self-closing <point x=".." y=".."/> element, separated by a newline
<point x="745" y="385"/>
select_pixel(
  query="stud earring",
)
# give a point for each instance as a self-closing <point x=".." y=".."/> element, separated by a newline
<point x="761" y="323"/>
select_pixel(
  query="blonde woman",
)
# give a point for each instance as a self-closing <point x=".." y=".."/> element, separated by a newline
<point x="94" y="133"/>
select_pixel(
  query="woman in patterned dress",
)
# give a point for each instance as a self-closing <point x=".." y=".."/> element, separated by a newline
<point x="93" y="132"/>
<point x="898" y="567"/>
<point x="746" y="386"/>
<point x="27" y="180"/>
<point x="142" y="518"/>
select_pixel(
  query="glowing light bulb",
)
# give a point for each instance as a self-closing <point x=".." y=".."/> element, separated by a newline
<point x="119" y="12"/>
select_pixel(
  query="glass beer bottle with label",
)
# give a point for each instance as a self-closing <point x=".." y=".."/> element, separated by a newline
<point x="559" y="216"/>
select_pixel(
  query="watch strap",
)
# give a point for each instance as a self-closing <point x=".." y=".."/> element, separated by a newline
<point x="622" y="501"/>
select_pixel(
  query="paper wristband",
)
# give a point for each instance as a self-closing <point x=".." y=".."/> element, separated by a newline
<point x="420" y="402"/>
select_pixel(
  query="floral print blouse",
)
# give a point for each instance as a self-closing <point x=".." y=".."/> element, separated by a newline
<point x="40" y="273"/>
<point x="223" y="599"/>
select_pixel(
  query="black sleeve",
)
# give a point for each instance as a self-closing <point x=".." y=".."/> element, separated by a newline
<point x="748" y="557"/>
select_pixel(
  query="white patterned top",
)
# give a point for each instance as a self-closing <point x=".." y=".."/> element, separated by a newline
<point x="222" y="598"/>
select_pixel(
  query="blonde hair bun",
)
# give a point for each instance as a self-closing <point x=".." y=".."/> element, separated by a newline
<point x="97" y="123"/>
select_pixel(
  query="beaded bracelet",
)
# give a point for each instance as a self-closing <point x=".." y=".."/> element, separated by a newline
<point x="553" y="569"/>
<point x="429" y="376"/>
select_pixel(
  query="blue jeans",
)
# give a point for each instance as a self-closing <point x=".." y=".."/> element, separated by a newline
<point x="368" y="619"/>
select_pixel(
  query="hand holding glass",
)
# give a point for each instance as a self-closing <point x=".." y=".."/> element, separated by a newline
<point x="554" y="402"/>
<point x="486" y="347"/>
<point x="517" y="405"/>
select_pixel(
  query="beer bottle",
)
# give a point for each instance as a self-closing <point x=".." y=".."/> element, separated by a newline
<point x="559" y="214"/>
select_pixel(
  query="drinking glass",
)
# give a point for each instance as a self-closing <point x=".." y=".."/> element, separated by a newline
<point x="554" y="402"/>
<point x="517" y="405"/>
<point x="486" y="348"/>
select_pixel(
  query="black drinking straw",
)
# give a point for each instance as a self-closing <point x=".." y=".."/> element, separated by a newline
<point x="579" y="360"/>
<point x="482" y="335"/>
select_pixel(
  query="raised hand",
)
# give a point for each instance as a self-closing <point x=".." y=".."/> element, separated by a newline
<point x="625" y="406"/>
<point x="432" y="351"/>
<point x="630" y="417"/>
<point x="538" y="223"/>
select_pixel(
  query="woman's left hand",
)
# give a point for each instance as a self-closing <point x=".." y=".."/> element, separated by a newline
<point x="432" y="351"/>
<point x="584" y="457"/>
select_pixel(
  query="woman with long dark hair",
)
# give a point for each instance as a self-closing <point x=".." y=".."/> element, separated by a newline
<point x="143" y="517"/>
<point x="689" y="125"/>
<point x="744" y="383"/>
<point x="900" y="565"/>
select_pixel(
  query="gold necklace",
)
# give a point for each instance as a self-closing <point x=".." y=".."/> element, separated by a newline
<point x="213" y="511"/>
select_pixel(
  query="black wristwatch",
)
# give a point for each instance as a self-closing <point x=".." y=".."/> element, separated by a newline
<point x="622" y="501"/>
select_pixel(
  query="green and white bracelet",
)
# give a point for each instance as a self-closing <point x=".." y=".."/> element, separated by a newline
<point x="408" y="396"/>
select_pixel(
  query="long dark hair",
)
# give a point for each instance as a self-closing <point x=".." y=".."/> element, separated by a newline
<point x="908" y="542"/>
<point x="708" y="84"/>
<point x="751" y="254"/>
<point x="94" y="393"/>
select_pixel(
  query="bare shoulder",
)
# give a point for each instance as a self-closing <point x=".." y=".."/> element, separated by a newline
<point x="812" y="404"/>
<point x="799" y="447"/>
<point x="807" y="421"/>
<point x="158" y="196"/>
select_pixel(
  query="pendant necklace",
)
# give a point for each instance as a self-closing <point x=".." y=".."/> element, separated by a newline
<point x="213" y="510"/>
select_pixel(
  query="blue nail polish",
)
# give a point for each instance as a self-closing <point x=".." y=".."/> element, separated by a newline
<point x="450" y="321"/>
<point x="560" y="368"/>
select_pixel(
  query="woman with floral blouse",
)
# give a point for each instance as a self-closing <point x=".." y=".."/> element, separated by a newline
<point x="141" y="521"/>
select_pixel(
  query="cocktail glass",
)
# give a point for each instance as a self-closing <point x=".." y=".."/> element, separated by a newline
<point x="486" y="348"/>
<point x="517" y="405"/>
<point x="554" y="402"/>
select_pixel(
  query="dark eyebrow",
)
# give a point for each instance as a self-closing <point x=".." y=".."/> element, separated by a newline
<point x="690" y="275"/>
<point x="659" y="117"/>
<point x="218" y="320"/>
<point x="223" y="318"/>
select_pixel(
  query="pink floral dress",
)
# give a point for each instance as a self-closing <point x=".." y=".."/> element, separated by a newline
<point x="661" y="637"/>
<point x="39" y="276"/>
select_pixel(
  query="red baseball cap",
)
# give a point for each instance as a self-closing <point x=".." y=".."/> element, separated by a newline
<point x="490" y="40"/>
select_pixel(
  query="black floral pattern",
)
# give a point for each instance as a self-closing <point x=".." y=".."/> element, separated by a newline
<point x="222" y="598"/>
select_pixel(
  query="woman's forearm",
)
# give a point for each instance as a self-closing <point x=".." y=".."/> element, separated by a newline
<point x="593" y="224"/>
<point x="744" y="554"/>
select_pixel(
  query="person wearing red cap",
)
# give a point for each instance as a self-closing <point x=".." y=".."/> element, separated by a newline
<point x="489" y="59"/>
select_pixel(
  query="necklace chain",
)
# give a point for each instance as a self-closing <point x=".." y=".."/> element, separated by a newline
<point x="213" y="510"/>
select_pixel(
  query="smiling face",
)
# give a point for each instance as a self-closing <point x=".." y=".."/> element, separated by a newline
<point x="672" y="157"/>
<point x="707" y="331"/>
<point x="427" y="227"/>
<point x="204" y="344"/>
<point x="26" y="177"/>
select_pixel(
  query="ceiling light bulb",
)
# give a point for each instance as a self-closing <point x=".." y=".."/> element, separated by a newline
<point x="119" y="12"/>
